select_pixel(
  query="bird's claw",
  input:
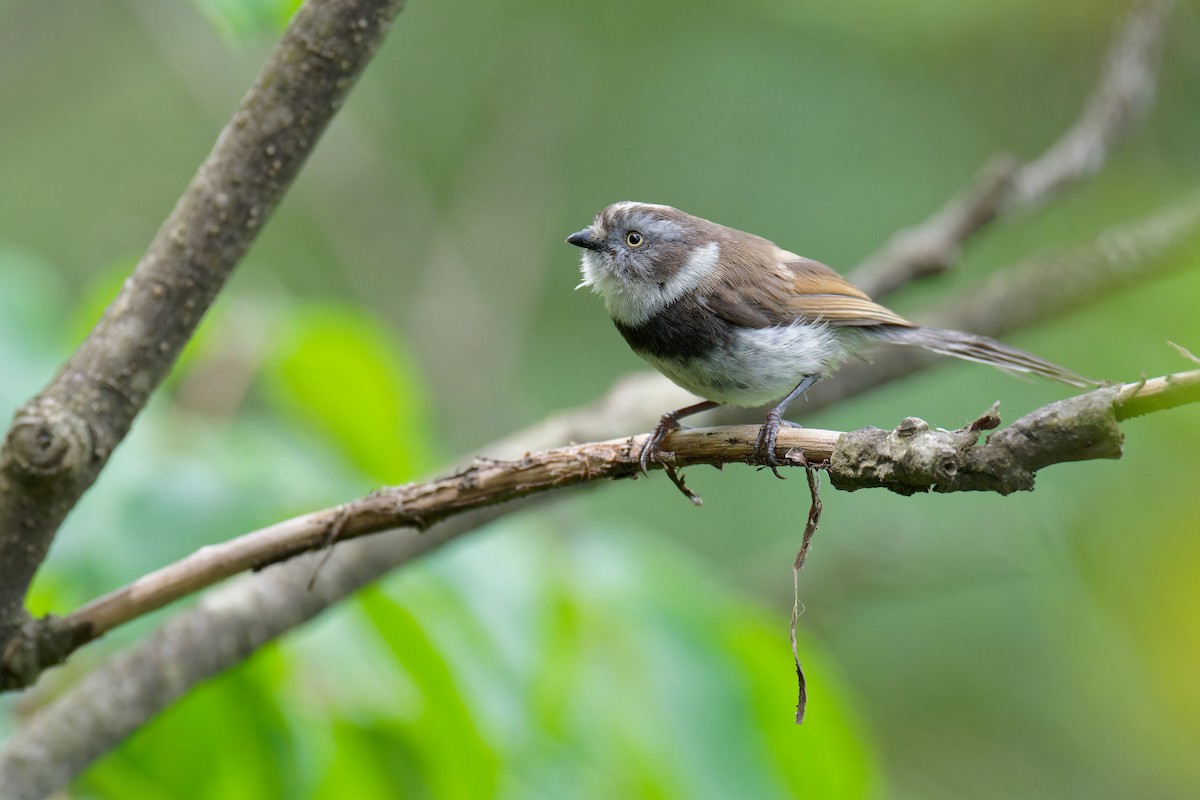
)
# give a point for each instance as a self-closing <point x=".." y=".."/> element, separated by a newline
<point x="764" y="446"/>
<point x="664" y="427"/>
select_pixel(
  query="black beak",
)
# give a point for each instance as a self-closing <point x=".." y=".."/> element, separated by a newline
<point x="583" y="239"/>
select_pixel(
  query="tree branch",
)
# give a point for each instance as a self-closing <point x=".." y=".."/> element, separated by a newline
<point x="61" y="439"/>
<point x="98" y="712"/>
<point x="910" y="459"/>
<point x="1079" y="428"/>
<point x="1122" y="95"/>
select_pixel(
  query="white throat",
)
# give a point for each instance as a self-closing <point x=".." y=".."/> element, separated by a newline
<point x="632" y="301"/>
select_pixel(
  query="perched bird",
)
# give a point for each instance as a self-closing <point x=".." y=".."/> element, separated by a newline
<point x="733" y="318"/>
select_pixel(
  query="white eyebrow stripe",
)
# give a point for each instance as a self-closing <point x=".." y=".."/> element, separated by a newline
<point x="629" y="205"/>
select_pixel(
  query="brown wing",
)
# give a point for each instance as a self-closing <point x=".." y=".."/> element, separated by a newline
<point x="766" y="286"/>
<point x="819" y="294"/>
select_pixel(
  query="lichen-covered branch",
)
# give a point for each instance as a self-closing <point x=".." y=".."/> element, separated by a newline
<point x="61" y="439"/>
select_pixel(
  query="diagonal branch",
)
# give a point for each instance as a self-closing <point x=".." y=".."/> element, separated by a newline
<point x="1121" y="97"/>
<point x="92" y="716"/>
<point x="61" y="439"/>
<point x="912" y="458"/>
<point x="222" y="630"/>
<point x="1079" y="428"/>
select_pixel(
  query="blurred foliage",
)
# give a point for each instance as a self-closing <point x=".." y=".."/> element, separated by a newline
<point x="422" y="688"/>
<point x="411" y="300"/>
<point x="333" y="360"/>
<point x="247" y="19"/>
<point x="415" y="680"/>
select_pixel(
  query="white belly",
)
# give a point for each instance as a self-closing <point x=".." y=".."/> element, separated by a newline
<point x="759" y="366"/>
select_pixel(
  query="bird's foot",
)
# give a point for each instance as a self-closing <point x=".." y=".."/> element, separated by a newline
<point x="666" y="425"/>
<point x="764" y="446"/>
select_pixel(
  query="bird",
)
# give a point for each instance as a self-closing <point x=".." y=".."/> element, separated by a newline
<point x="736" y="320"/>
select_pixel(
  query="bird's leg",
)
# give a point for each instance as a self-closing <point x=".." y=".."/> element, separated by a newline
<point x="764" y="447"/>
<point x="668" y="423"/>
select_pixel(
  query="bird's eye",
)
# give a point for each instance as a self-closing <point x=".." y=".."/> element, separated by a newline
<point x="634" y="239"/>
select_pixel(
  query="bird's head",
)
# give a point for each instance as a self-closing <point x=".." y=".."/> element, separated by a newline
<point x="641" y="257"/>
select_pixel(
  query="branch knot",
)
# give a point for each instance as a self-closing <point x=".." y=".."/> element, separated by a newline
<point x="46" y="438"/>
<point x="37" y="645"/>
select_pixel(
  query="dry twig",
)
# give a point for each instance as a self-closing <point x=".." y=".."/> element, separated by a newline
<point x="810" y="527"/>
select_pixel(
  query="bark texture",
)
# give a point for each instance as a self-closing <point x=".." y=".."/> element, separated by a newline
<point x="61" y="439"/>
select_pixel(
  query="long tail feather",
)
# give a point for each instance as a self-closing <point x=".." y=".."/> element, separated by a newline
<point x="970" y="347"/>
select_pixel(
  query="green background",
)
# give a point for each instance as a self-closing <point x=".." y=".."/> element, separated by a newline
<point x="412" y="300"/>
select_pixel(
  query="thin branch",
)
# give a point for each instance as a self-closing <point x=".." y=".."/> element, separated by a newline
<point x="933" y="246"/>
<point x="1160" y="394"/>
<point x="1121" y="98"/>
<point x="61" y="439"/>
<point x="910" y="459"/>
<point x="230" y="622"/>
<point x="810" y="528"/>
<point x="1123" y="93"/>
<point x="1006" y="464"/>
<point x="482" y="483"/>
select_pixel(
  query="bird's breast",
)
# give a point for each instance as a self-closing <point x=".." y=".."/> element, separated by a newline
<point x="685" y="329"/>
<point x="729" y="363"/>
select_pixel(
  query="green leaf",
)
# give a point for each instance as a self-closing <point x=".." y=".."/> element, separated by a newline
<point x="452" y="758"/>
<point x="343" y="374"/>
<point x="827" y="756"/>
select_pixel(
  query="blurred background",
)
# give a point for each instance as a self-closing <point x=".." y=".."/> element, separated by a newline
<point x="412" y="300"/>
